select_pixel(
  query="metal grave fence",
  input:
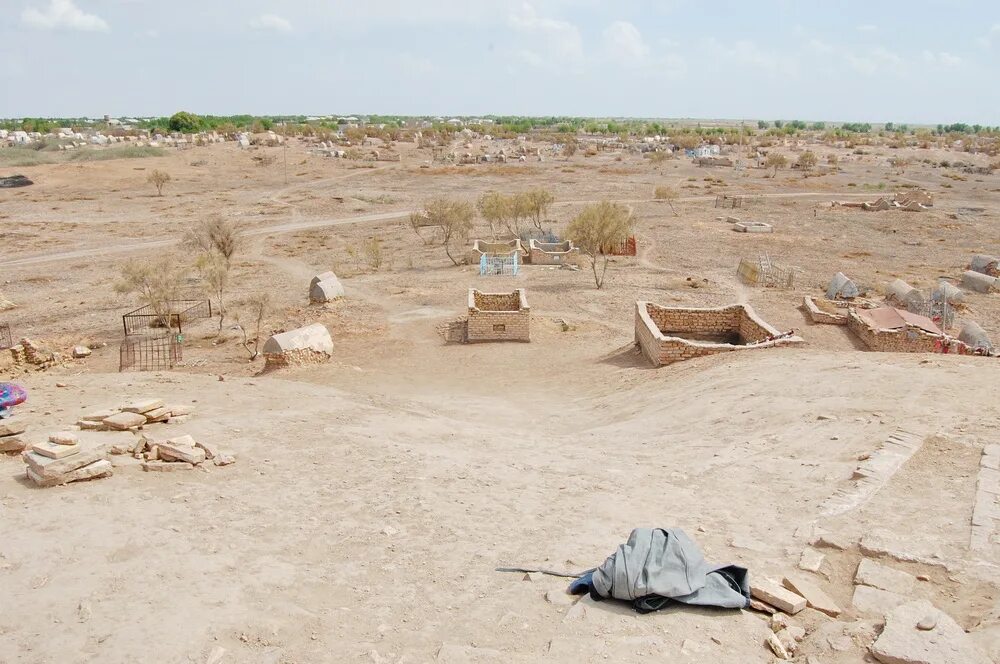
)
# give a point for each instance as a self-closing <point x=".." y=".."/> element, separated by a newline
<point x="497" y="265"/>
<point x="146" y="317"/>
<point x="150" y="352"/>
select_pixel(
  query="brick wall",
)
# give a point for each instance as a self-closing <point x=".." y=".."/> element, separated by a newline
<point x="819" y="316"/>
<point x="499" y="248"/>
<point x="498" y="316"/>
<point x="552" y="253"/>
<point x="651" y="320"/>
<point x="905" y="340"/>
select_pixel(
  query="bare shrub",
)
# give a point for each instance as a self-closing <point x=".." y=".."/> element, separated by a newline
<point x="215" y="235"/>
<point x="806" y="161"/>
<point x="253" y="309"/>
<point x="155" y="281"/>
<point x="536" y="204"/>
<point x="158" y="179"/>
<point x="668" y="194"/>
<point x="454" y="218"/>
<point x="776" y="161"/>
<point x="374" y="255"/>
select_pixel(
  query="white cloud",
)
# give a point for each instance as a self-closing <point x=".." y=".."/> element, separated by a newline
<point x="874" y="61"/>
<point x="271" y="22"/>
<point x="558" y="40"/>
<point x="820" y="46"/>
<point x="63" y="15"/>
<point x="942" y="59"/>
<point x="745" y="53"/>
<point x="623" y="43"/>
<point x="867" y="27"/>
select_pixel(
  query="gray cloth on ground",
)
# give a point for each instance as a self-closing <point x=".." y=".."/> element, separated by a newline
<point x="667" y="563"/>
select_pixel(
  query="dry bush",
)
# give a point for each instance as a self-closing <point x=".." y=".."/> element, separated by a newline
<point x="158" y="179"/>
<point x="156" y="281"/>
<point x="668" y="194"/>
<point x="215" y="235"/>
<point x="597" y="226"/>
<point x="253" y="309"/>
<point x="454" y="217"/>
<point x="374" y="255"/>
<point x="776" y="161"/>
<point x="806" y="161"/>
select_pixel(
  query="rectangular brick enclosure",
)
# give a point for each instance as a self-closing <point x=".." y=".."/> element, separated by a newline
<point x="498" y="316"/>
<point x="672" y="334"/>
<point x="552" y="253"/>
<point x="496" y="248"/>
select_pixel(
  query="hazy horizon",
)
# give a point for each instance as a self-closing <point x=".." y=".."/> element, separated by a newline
<point x="926" y="62"/>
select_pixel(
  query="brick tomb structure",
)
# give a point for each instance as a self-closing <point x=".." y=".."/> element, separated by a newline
<point x="890" y="330"/>
<point x="552" y="253"/>
<point x="672" y="334"/>
<point x="496" y="248"/>
<point x="498" y="316"/>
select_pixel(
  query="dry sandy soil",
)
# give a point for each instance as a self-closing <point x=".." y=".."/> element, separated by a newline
<point x="373" y="496"/>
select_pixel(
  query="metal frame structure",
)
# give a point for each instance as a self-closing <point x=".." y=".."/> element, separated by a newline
<point x="150" y="352"/>
<point x="765" y="273"/>
<point x="145" y="317"/>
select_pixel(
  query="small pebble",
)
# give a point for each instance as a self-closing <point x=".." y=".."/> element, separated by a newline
<point x="927" y="623"/>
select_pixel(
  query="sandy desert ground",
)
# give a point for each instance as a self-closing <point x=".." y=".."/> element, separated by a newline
<point x="374" y="495"/>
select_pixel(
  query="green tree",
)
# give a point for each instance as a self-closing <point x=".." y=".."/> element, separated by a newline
<point x="184" y="122"/>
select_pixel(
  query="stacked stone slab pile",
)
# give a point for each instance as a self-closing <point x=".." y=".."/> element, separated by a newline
<point x="134" y="415"/>
<point x="62" y="459"/>
<point x="178" y="453"/>
<point x="28" y="352"/>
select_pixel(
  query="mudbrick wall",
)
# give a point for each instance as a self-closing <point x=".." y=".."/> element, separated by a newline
<point x="905" y="340"/>
<point x="498" y="316"/>
<point x="293" y="358"/>
<point x="651" y="320"/>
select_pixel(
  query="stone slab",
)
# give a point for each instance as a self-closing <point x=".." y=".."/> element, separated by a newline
<point x="47" y="467"/>
<point x="193" y="455"/>
<point x="871" y="573"/>
<point x="91" y="425"/>
<point x="12" y="427"/>
<point x="811" y="560"/>
<point x="123" y="421"/>
<point x="142" y="406"/>
<point x="55" y="450"/>
<point x="64" y="438"/>
<point x="165" y="466"/>
<point x="778" y="597"/>
<point x="12" y="444"/>
<point x="873" y="600"/>
<point x="815" y="597"/>
<point x="157" y="415"/>
<point x="94" y="470"/>
<point x="901" y="642"/>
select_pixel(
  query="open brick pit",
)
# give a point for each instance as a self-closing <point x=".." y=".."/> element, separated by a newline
<point x="672" y="334"/>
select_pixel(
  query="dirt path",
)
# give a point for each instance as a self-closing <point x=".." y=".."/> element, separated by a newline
<point x="290" y="227"/>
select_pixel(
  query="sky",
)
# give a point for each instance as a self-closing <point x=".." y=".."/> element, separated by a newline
<point x="902" y="61"/>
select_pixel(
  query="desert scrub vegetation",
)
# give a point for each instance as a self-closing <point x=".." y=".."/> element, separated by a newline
<point x="122" y="152"/>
